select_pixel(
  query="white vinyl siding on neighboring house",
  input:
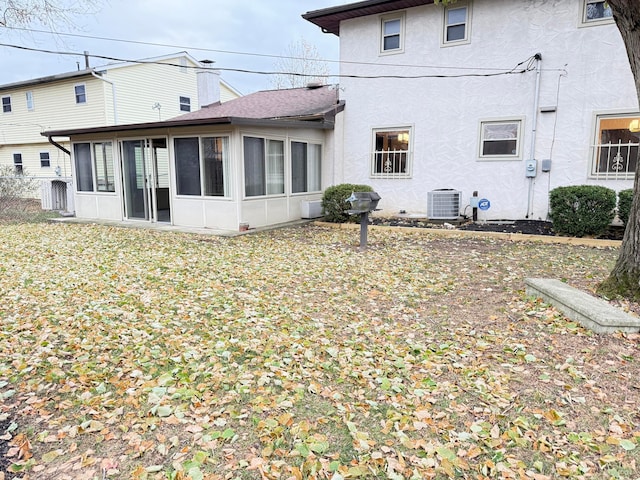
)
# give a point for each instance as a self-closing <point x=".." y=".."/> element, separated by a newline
<point x="615" y="147"/>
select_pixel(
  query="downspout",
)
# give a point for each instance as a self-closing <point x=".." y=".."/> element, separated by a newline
<point x="534" y="129"/>
<point x="57" y="145"/>
<point x="113" y="93"/>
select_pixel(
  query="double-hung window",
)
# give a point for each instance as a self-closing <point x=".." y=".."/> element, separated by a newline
<point x="80" y="93"/>
<point x="94" y="167"/>
<point x="17" y="163"/>
<point x="203" y="166"/>
<point x="596" y="12"/>
<point x="305" y="167"/>
<point x="500" y="140"/>
<point x="615" y="150"/>
<point x="263" y="166"/>
<point x="6" y="104"/>
<point x="185" y="104"/>
<point x="391" y="157"/>
<point x="456" y="23"/>
<point x="392" y="34"/>
<point x="29" y="99"/>
<point x="45" y="161"/>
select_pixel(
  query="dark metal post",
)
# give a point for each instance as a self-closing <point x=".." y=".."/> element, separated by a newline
<point x="364" y="227"/>
<point x="475" y="209"/>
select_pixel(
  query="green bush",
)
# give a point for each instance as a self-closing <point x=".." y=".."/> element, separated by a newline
<point x="334" y="202"/>
<point x="582" y="210"/>
<point x="624" y="204"/>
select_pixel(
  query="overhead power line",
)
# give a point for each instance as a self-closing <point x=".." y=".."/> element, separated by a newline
<point x="253" y="54"/>
<point x="518" y="69"/>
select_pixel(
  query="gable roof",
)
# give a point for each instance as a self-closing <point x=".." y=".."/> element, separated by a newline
<point x="311" y="107"/>
<point x="329" y="18"/>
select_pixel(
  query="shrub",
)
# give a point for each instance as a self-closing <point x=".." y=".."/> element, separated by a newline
<point x="16" y="191"/>
<point x="582" y="210"/>
<point x="334" y="202"/>
<point x="624" y="204"/>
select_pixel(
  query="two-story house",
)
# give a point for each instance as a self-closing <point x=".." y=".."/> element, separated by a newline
<point x="120" y="93"/>
<point x="505" y="98"/>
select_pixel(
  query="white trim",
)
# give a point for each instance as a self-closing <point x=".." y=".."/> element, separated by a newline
<point x="409" y="160"/>
<point x="583" y="22"/>
<point x="467" y="25"/>
<point x="519" y="138"/>
<point x="389" y="18"/>
<point x="595" y="145"/>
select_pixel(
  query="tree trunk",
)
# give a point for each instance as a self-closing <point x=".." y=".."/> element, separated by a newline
<point x="624" y="279"/>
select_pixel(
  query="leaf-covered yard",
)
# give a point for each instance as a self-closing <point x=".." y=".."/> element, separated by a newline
<point x="290" y="354"/>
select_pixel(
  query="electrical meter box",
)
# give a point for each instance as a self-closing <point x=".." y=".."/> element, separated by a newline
<point x="531" y="168"/>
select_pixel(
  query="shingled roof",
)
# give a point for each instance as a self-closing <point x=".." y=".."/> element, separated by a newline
<point x="310" y="106"/>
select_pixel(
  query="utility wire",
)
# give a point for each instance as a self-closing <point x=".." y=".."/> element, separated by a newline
<point x="515" y="70"/>
<point x="264" y="55"/>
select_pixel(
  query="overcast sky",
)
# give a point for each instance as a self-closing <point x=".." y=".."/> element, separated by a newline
<point x="262" y="27"/>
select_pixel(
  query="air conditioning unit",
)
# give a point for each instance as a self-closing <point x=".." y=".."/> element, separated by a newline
<point x="311" y="209"/>
<point x="443" y="204"/>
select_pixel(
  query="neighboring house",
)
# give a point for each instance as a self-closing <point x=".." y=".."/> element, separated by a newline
<point x="119" y="93"/>
<point x="435" y="100"/>
<point x="260" y="160"/>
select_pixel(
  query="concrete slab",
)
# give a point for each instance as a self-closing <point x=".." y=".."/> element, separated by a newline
<point x="591" y="312"/>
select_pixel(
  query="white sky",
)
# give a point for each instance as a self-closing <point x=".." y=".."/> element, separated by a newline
<point x="265" y="27"/>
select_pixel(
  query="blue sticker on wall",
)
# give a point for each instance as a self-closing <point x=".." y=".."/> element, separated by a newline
<point x="484" y="204"/>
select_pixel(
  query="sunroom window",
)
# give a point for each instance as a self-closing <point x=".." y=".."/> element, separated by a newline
<point x="94" y="167"/>
<point x="305" y="167"/>
<point x="202" y="166"/>
<point x="263" y="166"/>
<point x="615" y="151"/>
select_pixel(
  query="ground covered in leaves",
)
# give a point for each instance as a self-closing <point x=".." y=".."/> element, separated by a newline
<point x="291" y="354"/>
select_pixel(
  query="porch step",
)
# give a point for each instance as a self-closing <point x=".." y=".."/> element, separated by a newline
<point x="591" y="312"/>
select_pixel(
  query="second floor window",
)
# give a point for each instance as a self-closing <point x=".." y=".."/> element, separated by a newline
<point x="81" y="94"/>
<point x="596" y="11"/>
<point x="6" y="104"/>
<point x="456" y="24"/>
<point x="29" y="98"/>
<point x="391" y="38"/>
<point x="185" y="104"/>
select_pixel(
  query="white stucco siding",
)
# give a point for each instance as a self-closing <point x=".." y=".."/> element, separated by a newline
<point x="585" y="72"/>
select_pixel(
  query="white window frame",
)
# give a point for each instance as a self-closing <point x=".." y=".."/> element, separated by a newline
<point x="584" y="22"/>
<point x="9" y="104"/>
<point x="467" y="24"/>
<point x="107" y="187"/>
<point x="408" y="173"/>
<point x="184" y="103"/>
<point x="83" y="94"/>
<point x="18" y="166"/>
<point x="519" y="121"/>
<point x="597" y="148"/>
<point x="46" y="157"/>
<point x="269" y="170"/>
<point x="311" y="164"/>
<point x="29" y="98"/>
<point x="400" y="17"/>
<point x="226" y="165"/>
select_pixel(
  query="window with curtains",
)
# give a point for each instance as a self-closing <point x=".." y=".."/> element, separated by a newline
<point x="595" y="12"/>
<point x="202" y="166"/>
<point x="263" y="166"/>
<point x="305" y="167"/>
<point x="616" y="147"/>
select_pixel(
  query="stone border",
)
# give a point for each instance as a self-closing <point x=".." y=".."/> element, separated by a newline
<point x="591" y="312"/>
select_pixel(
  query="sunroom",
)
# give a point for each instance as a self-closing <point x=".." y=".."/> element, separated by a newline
<point x="253" y="161"/>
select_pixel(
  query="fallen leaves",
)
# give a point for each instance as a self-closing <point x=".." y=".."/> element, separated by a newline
<point x="289" y="354"/>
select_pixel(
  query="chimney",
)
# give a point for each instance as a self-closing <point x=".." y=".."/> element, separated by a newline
<point x="208" y="84"/>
